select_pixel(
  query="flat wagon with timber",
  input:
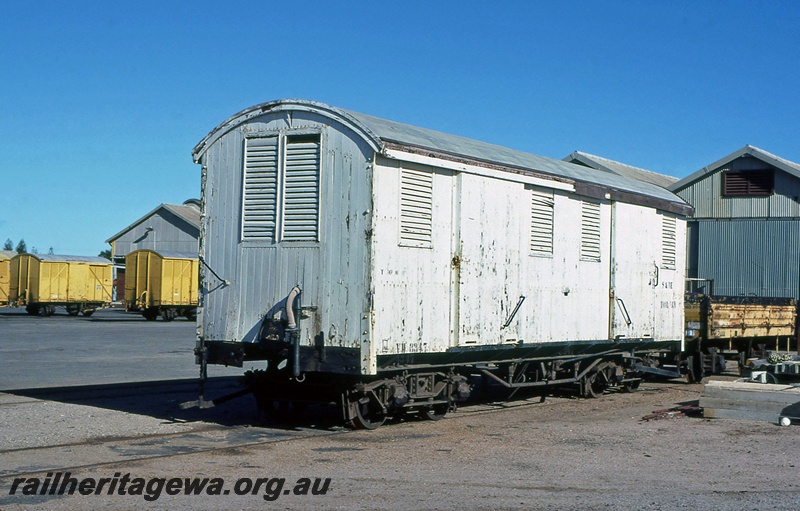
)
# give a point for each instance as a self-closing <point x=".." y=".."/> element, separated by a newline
<point x="720" y="328"/>
<point x="381" y="266"/>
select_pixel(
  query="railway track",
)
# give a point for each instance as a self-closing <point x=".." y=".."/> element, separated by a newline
<point x="86" y="455"/>
<point x="222" y="428"/>
<point x="114" y="437"/>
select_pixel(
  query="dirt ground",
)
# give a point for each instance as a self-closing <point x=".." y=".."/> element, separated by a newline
<point x="562" y="454"/>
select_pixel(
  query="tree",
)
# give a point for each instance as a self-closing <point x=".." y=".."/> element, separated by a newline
<point x="50" y="251"/>
<point x="8" y="245"/>
<point x="105" y="253"/>
<point x="22" y="248"/>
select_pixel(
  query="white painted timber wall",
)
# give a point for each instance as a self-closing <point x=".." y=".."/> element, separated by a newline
<point x="650" y="287"/>
<point x="461" y="288"/>
<point x="332" y="271"/>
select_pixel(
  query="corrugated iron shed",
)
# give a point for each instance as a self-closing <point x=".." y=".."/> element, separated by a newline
<point x="748" y="150"/>
<point x="189" y="213"/>
<point x="750" y="257"/>
<point x="168" y="227"/>
<point x="748" y="243"/>
<point x="705" y="189"/>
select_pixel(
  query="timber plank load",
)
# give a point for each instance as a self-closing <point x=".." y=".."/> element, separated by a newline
<point x="732" y="317"/>
<point x="739" y="327"/>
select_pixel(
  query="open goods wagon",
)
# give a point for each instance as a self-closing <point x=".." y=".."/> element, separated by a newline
<point x="161" y="283"/>
<point x="737" y="327"/>
<point x="384" y="266"/>
<point x="5" y="275"/>
<point x="43" y="282"/>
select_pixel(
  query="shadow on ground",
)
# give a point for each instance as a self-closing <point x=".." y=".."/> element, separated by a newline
<point x="236" y="407"/>
<point x="162" y="400"/>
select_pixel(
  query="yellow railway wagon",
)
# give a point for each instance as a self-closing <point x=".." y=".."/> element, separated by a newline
<point x="43" y="282"/>
<point x="162" y="283"/>
<point x="5" y="275"/>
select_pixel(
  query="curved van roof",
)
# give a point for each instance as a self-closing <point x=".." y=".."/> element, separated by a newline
<point x="383" y="135"/>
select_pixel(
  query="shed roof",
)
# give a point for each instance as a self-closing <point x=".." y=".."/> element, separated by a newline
<point x="384" y="135"/>
<point x="68" y="258"/>
<point x="640" y="174"/>
<point x="748" y="150"/>
<point x="188" y="212"/>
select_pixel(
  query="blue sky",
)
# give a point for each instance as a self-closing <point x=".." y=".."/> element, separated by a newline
<point x="101" y="103"/>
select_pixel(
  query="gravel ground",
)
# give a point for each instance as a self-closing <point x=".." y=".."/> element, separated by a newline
<point x="564" y="453"/>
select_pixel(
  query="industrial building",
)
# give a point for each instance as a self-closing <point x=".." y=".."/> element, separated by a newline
<point x="745" y="231"/>
<point x="167" y="228"/>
